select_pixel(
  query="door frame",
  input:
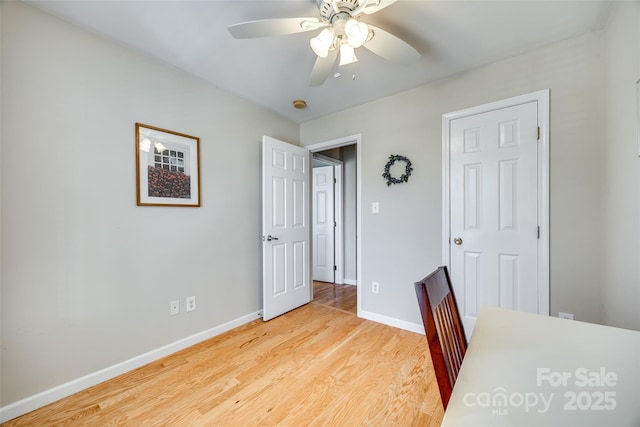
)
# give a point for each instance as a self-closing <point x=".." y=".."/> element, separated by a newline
<point x="542" y="99"/>
<point x="342" y="142"/>
<point x="338" y="244"/>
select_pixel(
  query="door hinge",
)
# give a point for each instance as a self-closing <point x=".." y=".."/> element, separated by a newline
<point x="335" y="268"/>
<point x="538" y="232"/>
<point x="335" y="180"/>
<point x="335" y="224"/>
<point x="538" y="133"/>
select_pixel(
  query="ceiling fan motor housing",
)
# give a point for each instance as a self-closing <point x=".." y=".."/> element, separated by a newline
<point x="327" y="10"/>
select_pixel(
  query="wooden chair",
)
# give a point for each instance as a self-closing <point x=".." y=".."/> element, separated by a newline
<point x="447" y="343"/>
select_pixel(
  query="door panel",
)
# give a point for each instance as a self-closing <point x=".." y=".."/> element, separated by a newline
<point x="508" y="195"/>
<point x="299" y="203"/>
<point x="323" y="219"/>
<point x="286" y="230"/>
<point x="278" y="220"/>
<point x="508" y="284"/>
<point x="279" y="262"/>
<point x="494" y="210"/>
<point x="300" y="270"/>
<point x="471" y="283"/>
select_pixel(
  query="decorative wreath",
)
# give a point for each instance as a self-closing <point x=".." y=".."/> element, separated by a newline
<point x="407" y="171"/>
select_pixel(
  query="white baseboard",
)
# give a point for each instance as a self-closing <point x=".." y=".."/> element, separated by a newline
<point x="46" y="397"/>
<point x="350" y="282"/>
<point x="391" y="321"/>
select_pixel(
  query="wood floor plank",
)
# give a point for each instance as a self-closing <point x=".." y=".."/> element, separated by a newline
<point x="317" y="365"/>
<point x="340" y="297"/>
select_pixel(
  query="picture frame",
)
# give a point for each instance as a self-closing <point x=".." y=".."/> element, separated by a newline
<point x="167" y="167"/>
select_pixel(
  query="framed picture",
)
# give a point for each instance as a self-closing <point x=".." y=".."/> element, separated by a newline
<point x="167" y="167"/>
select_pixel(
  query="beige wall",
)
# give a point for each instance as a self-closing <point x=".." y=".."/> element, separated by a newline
<point x="87" y="276"/>
<point x="402" y="243"/>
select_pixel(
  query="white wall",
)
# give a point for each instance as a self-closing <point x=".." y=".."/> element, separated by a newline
<point x="402" y="243"/>
<point x="87" y="276"/>
<point x="621" y="237"/>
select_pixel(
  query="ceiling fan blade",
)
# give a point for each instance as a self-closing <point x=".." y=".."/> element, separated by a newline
<point x="274" y="27"/>
<point x="322" y="68"/>
<point x="390" y="47"/>
<point x="375" y="5"/>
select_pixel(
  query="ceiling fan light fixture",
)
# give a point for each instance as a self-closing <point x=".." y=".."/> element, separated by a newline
<point x="347" y="54"/>
<point x="321" y="43"/>
<point x="357" y="32"/>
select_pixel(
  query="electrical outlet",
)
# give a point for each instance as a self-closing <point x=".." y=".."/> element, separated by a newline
<point x="174" y="307"/>
<point x="566" y="316"/>
<point x="375" y="287"/>
<point x="190" y="303"/>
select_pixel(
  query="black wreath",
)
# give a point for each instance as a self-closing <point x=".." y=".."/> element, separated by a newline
<point x="407" y="171"/>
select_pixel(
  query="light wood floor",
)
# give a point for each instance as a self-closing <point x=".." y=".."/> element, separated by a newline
<point x="315" y="366"/>
<point x="339" y="297"/>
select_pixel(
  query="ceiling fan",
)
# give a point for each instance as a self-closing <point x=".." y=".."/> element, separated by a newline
<point x="342" y="33"/>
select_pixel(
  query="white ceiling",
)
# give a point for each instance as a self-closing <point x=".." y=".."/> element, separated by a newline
<point x="453" y="36"/>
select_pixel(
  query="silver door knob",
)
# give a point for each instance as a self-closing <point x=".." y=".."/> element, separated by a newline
<point x="270" y="238"/>
<point x="457" y="241"/>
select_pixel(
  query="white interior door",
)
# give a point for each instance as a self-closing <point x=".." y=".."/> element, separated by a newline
<point x="323" y="224"/>
<point x="285" y="227"/>
<point x="494" y="210"/>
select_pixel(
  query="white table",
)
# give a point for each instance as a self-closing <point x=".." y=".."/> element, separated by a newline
<point x="524" y="369"/>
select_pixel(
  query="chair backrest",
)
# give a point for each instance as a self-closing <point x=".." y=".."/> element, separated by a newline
<point x="445" y="336"/>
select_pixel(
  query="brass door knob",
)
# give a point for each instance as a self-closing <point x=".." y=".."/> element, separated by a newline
<point x="457" y="241"/>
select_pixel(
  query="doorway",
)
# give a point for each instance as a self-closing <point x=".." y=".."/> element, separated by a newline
<point x="347" y="250"/>
<point x="496" y="198"/>
<point x="327" y="218"/>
